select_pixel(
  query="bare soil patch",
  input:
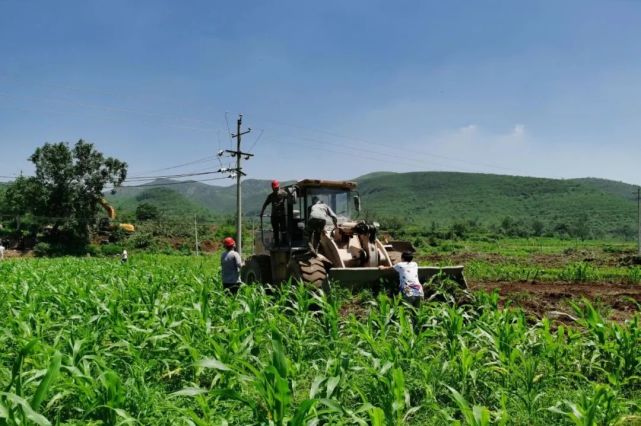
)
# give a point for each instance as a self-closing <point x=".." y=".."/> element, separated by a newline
<point x="616" y="301"/>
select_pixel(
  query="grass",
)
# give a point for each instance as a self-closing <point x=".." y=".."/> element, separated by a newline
<point x="538" y="260"/>
<point x="157" y="341"/>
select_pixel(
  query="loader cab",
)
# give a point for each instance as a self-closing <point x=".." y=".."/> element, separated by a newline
<point x="336" y="194"/>
<point x="338" y="200"/>
<point x="339" y="195"/>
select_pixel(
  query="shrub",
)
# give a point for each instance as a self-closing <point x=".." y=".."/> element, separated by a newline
<point x="42" y="249"/>
<point x="111" y="249"/>
<point x="93" y="250"/>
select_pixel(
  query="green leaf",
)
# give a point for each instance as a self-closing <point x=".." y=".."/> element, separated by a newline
<point x="331" y="385"/>
<point x="313" y="391"/>
<point x="212" y="364"/>
<point x="377" y="416"/>
<point x="302" y="411"/>
<point x="29" y="413"/>
<point x="190" y="391"/>
<point x="49" y="378"/>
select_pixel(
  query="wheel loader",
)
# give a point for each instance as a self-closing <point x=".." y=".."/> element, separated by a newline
<point x="348" y="254"/>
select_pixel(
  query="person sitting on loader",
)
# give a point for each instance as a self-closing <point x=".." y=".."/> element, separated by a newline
<point x="278" y="200"/>
<point x="319" y="215"/>
<point x="410" y="287"/>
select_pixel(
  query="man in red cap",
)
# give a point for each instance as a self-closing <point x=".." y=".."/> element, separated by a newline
<point x="230" y="263"/>
<point x="278" y="201"/>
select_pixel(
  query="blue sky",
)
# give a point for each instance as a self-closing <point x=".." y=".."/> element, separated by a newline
<point x="334" y="89"/>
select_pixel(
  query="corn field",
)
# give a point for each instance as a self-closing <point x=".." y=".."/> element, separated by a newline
<point x="158" y="342"/>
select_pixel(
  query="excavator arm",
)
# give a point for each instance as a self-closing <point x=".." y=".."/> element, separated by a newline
<point x="111" y="212"/>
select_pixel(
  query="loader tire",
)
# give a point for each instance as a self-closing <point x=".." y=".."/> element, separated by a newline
<point x="311" y="271"/>
<point x="257" y="269"/>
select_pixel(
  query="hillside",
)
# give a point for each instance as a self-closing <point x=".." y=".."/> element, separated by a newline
<point x="172" y="204"/>
<point x="621" y="189"/>
<point x="218" y="200"/>
<point x="445" y="198"/>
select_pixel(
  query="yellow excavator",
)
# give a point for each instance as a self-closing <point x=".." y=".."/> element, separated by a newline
<point x="106" y="224"/>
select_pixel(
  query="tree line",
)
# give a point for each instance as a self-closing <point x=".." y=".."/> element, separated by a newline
<point x="60" y="202"/>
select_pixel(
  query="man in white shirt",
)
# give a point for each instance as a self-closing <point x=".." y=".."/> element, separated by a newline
<point x="409" y="286"/>
<point x="319" y="215"/>
<point x="1" y="251"/>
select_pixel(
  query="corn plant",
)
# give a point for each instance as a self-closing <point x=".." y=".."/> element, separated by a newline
<point x="158" y="341"/>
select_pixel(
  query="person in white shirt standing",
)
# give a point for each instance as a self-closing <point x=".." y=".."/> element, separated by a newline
<point x="1" y="251"/>
<point x="409" y="286"/>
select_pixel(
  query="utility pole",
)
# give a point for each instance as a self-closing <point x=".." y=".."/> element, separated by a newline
<point x="239" y="174"/>
<point x="196" y="233"/>
<point x="639" y="219"/>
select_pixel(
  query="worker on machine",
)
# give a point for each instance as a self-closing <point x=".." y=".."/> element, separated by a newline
<point x="230" y="263"/>
<point x="410" y="287"/>
<point x="278" y="201"/>
<point x="319" y="215"/>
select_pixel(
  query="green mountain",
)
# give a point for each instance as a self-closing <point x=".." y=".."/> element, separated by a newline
<point x="170" y="203"/>
<point x="445" y="198"/>
<point x="622" y="189"/>
<point x="218" y="200"/>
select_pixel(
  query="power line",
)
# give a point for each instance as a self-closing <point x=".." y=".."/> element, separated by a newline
<point x="189" y="163"/>
<point x="134" y="178"/>
<point x="145" y="185"/>
<point x="257" y="139"/>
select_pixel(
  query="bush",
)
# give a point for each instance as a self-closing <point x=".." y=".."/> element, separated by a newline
<point x="42" y="249"/>
<point x="93" y="250"/>
<point x="142" y="240"/>
<point x="111" y="249"/>
<point x="146" y="211"/>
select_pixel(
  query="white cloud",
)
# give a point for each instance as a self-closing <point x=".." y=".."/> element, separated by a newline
<point x="470" y="129"/>
<point x="518" y="130"/>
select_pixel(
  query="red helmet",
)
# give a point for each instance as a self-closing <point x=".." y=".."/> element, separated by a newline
<point x="275" y="184"/>
<point x="229" y="242"/>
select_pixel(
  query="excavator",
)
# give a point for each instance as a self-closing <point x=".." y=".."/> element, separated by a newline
<point x="349" y="254"/>
<point x="106" y="225"/>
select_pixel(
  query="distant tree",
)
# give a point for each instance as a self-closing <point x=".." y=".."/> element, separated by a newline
<point x="146" y="211"/>
<point x="66" y="187"/>
<point x="507" y="225"/>
<point x="561" y="229"/>
<point x="581" y="227"/>
<point x="625" y="231"/>
<point x="391" y="224"/>
<point x="433" y="227"/>
<point x="537" y="228"/>
<point x="459" y="229"/>
<point x="19" y="197"/>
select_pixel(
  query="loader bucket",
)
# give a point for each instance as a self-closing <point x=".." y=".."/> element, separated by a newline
<point x="360" y="278"/>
